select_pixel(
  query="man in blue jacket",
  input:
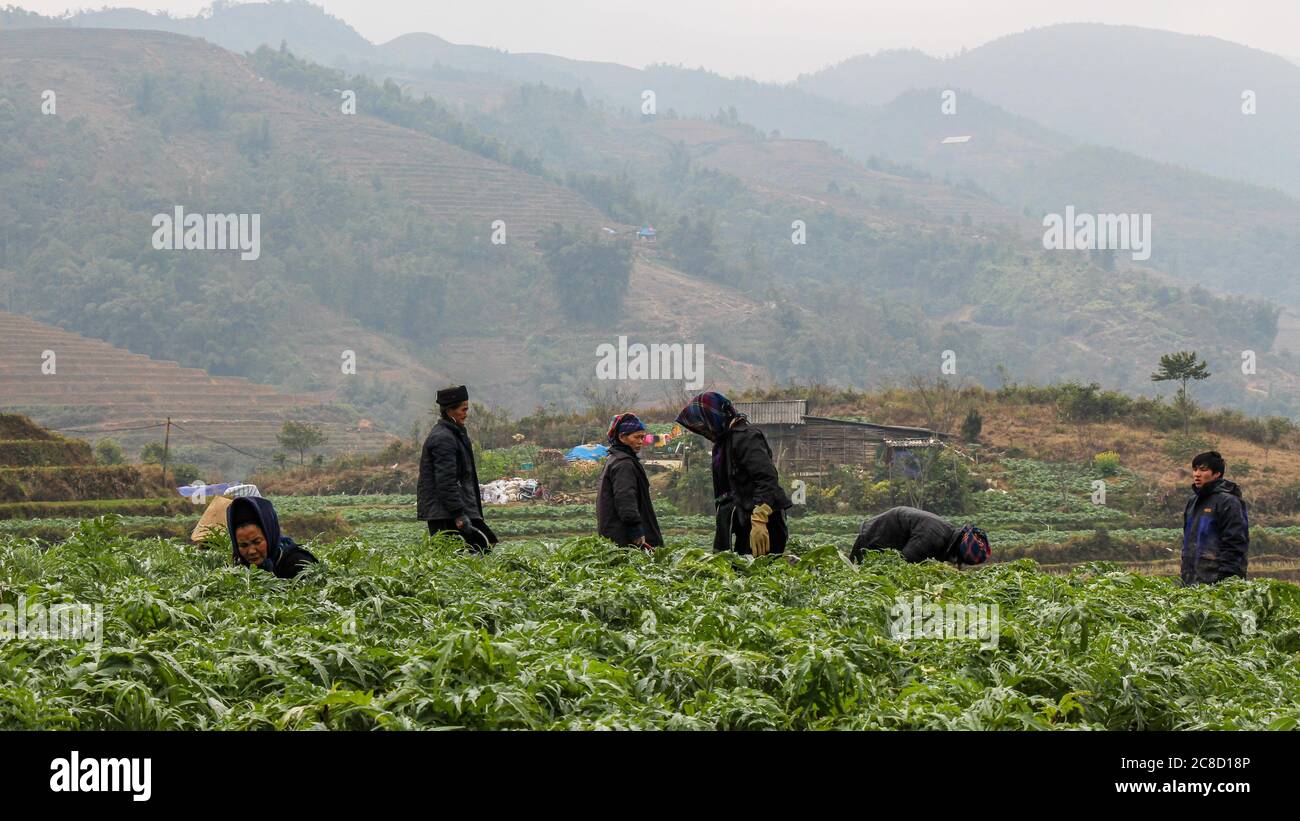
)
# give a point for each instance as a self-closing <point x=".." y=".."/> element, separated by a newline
<point x="1216" y="526"/>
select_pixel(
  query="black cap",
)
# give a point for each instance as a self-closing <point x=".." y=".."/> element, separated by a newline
<point x="451" y="397"/>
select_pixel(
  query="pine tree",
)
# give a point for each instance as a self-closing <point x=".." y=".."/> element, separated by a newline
<point x="1182" y="367"/>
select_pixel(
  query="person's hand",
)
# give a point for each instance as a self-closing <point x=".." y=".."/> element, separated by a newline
<point x="759" y="540"/>
<point x="644" y="545"/>
<point x="460" y="523"/>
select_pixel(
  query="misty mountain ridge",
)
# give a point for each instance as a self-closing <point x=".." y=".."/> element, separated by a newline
<point x="895" y="213"/>
<point x="1185" y="86"/>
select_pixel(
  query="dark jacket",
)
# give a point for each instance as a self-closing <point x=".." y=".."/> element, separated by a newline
<point x="284" y="557"/>
<point x="918" y="534"/>
<point x="448" y="484"/>
<point x="623" y="509"/>
<point x="1216" y="534"/>
<point x="743" y="471"/>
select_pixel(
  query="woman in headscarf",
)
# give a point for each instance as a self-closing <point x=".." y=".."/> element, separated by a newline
<point x="447" y="494"/>
<point x="747" y="492"/>
<point x="624" y="514"/>
<point x="255" y="539"/>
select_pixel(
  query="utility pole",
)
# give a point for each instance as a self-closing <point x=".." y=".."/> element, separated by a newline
<point x="167" y="439"/>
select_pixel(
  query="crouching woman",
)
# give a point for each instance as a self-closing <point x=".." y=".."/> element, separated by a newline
<point x="255" y="539"/>
<point x="624" y="514"/>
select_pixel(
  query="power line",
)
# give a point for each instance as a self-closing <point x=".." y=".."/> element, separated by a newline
<point x="159" y="425"/>
<point x="217" y="442"/>
<point x="173" y="424"/>
<point x="108" y="430"/>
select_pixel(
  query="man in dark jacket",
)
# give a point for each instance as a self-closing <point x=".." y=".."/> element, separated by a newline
<point x="447" y="493"/>
<point x="624" y="514"/>
<point x="747" y="492"/>
<point x="920" y="535"/>
<point x="1216" y="526"/>
<point x="255" y="538"/>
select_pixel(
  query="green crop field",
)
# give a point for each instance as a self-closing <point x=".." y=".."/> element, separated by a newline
<point x="395" y="630"/>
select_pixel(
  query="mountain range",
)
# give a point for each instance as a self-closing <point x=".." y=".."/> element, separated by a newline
<point x="917" y="242"/>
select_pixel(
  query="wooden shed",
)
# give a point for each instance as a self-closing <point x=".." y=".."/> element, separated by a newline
<point x="806" y="445"/>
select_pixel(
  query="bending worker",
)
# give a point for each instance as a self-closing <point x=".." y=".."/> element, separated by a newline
<point x="920" y="535"/>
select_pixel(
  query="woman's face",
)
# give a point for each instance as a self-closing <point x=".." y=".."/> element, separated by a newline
<point x="251" y="543"/>
<point x="635" y="440"/>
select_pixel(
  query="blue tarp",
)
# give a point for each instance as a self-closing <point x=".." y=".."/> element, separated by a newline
<point x="589" y="453"/>
<point x="208" y="490"/>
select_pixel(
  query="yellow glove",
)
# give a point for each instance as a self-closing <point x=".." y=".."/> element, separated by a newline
<point x="759" y="541"/>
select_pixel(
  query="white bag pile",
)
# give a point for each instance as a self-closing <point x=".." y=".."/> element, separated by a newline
<point x="504" y="491"/>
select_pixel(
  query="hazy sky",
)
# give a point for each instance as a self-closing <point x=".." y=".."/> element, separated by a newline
<point x="769" y="39"/>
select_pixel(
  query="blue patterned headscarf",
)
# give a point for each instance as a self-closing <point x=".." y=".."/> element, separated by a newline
<point x="973" y="546"/>
<point x="709" y="415"/>
<point x="624" y="423"/>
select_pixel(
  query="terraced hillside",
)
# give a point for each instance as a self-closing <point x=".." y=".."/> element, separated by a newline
<point x="833" y="311"/>
<point x="806" y="172"/>
<point x="811" y="172"/>
<point x="555" y="361"/>
<point x="39" y="466"/>
<point x="95" y="385"/>
<point x="452" y="184"/>
<point x="99" y="69"/>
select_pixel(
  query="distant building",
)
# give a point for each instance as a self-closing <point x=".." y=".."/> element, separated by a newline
<point x="806" y="445"/>
<point x="646" y="234"/>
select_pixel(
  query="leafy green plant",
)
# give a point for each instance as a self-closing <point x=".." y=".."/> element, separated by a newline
<point x="396" y="630"/>
<point x="500" y="463"/>
<point x="1106" y="463"/>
